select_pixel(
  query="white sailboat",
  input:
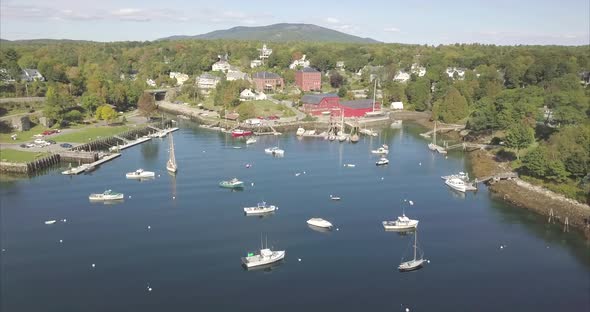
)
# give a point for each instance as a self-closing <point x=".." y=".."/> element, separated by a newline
<point x="432" y="146"/>
<point x="171" y="164"/>
<point x="415" y="263"/>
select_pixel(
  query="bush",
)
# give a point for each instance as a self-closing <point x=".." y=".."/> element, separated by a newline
<point x="74" y="116"/>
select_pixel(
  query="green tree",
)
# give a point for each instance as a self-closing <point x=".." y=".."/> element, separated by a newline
<point x="105" y="112"/>
<point x="418" y="93"/>
<point x="57" y="103"/>
<point x="519" y="136"/>
<point x="535" y="162"/>
<point x="90" y="102"/>
<point x="452" y="107"/>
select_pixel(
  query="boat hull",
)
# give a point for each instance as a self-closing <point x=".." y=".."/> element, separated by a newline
<point x="411" y="265"/>
<point x="320" y="223"/>
<point x="100" y="197"/>
<point x="143" y="175"/>
<point x="231" y="186"/>
<point x="392" y="226"/>
<point x="252" y="211"/>
<point x="237" y="134"/>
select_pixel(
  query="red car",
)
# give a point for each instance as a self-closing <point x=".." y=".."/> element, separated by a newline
<point x="272" y="117"/>
<point x="50" y="132"/>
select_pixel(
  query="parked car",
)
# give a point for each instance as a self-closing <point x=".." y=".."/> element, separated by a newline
<point x="50" y="131"/>
<point x="39" y="141"/>
<point x="272" y="117"/>
<point x="30" y="145"/>
<point x="23" y="146"/>
<point x="66" y="145"/>
<point x="50" y="141"/>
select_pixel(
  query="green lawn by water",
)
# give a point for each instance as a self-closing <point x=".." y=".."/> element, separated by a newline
<point x="11" y="155"/>
<point x="24" y="136"/>
<point x="89" y="134"/>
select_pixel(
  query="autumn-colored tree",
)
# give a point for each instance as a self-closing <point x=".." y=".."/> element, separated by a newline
<point x="146" y="104"/>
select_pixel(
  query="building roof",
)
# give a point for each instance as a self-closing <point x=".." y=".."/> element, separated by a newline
<point x="265" y="75"/>
<point x="208" y="76"/>
<point x="309" y="70"/>
<point x="316" y="98"/>
<point x="364" y="103"/>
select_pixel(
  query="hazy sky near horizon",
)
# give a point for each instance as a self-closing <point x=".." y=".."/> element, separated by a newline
<point x="564" y="22"/>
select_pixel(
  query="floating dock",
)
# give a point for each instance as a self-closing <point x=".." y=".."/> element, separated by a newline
<point x="82" y="168"/>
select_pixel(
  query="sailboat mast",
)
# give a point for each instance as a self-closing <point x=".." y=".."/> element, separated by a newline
<point x="434" y="136"/>
<point x="415" y="243"/>
<point x="374" y="93"/>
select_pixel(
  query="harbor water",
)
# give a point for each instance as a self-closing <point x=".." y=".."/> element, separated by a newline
<point x="175" y="242"/>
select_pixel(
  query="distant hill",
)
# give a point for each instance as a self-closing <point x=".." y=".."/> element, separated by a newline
<point x="280" y="32"/>
<point x="43" y="41"/>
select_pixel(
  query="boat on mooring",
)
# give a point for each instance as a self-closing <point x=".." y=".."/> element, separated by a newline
<point x="140" y="174"/>
<point x="319" y="222"/>
<point x="415" y="263"/>
<point x="264" y="256"/>
<point x="261" y="208"/>
<point x="233" y="183"/>
<point x="381" y="151"/>
<point x="171" y="164"/>
<point x="106" y="195"/>
<point x="275" y="151"/>
<point x="382" y="161"/>
<point x="251" y="141"/>
<point x="402" y="223"/>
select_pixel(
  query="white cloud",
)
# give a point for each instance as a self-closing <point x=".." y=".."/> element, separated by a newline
<point x="332" y="20"/>
<point x="392" y="29"/>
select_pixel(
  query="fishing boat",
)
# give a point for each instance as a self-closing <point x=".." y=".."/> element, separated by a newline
<point x="460" y="185"/>
<point x="332" y="197"/>
<point x="382" y="161"/>
<point x="300" y="131"/>
<point x="264" y="256"/>
<point x="140" y="174"/>
<point x="319" y="222"/>
<point x="233" y="183"/>
<point x="415" y="263"/>
<point x="381" y="151"/>
<point x="261" y="208"/>
<point x="461" y="175"/>
<point x="240" y="133"/>
<point x="171" y="164"/>
<point x="250" y="141"/>
<point x="275" y="151"/>
<point x="106" y="195"/>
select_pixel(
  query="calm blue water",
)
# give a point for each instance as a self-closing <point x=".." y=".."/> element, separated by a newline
<point x="191" y="255"/>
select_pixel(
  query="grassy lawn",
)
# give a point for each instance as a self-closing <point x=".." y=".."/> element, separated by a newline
<point x="264" y="108"/>
<point x="19" y="156"/>
<point x="25" y="136"/>
<point x="89" y="134"/>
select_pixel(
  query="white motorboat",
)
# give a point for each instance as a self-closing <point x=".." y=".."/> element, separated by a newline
<point x="350" y="165"/>
<point x="382" y="161"/>
<point x="319" y="222"/>
<point x="300" y="131"/>
<point x="381" y="151"/>
<point x="461" y="175"/>
<point x="402" y="223"/>
<point x="251" y="141"/>
<point x="264" y="256"/>
<point x="106" y="195"/>
<point x="275" y="151"/>
<point x="369" y="132"/>
<point x="49" y="222"/>
<point x="261" y="208"/>
<point x="171" y="164"/>
<point x="233" y="183"/>
<point x="140" y="174"/>
<point x="415" y="263"/>
<point x="332" y="197"/>
<point x="331" y="137"/>
<point x="460" y="185"/>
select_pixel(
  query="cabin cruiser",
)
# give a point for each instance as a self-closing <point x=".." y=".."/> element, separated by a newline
<point x="402" y="223"/>
<point x="140" y="174"/>
<point x="460" y="185"/>
<point x="461" y="175"/>
<point x="261" y="208"/>
<point x="106" y="195"/>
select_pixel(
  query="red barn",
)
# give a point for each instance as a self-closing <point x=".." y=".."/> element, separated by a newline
<point x="315" y="104"/>
<point x="308" y="79"/>
<point x="358" y="108"/>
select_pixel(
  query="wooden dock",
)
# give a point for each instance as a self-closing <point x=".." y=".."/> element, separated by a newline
<point x="497" y="177"/>
<point x="130" y="144"/>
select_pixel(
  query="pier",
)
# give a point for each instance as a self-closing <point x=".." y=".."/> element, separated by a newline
<point x="82" y="168"/>
<point x="497" y="177"/>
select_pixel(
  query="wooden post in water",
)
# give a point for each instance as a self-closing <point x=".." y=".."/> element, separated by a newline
<point x="566" y="225"/>
<point x="550" y="215"/>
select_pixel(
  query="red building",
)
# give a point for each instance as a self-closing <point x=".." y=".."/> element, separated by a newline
<point x="308" y="79"/>
<point x="358" y="108"/>
<point x="316" y="104"/>
<point x="266" y="81"/>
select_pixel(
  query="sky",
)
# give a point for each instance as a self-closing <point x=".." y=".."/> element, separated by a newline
<point x="503" y="22"/>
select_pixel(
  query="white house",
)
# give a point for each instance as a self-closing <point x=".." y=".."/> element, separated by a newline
<point x="264" y="52"/>
<point x="222" y="64"/>
<point x="253" y="121"/>
<point x="32" y="74"/>
<point x="340" y="64"/>
<point x="452" y="70"/>
<point x="207" y="81"/>
<point x="235" y="74"/>
<point x="180" y="77"/>
<point x="299" y="63"/>
<point x="418" y="70"/>
<point x="401" y="76"/>
<point x="255" y="63"/>
<point x="249" y="95"/>
<point x="397" y="105"/>
<point x="150" y="82"/>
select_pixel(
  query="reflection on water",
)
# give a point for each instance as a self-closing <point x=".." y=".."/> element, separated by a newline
<point x="267" y="268"/>
<point x="320" y="229"/>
